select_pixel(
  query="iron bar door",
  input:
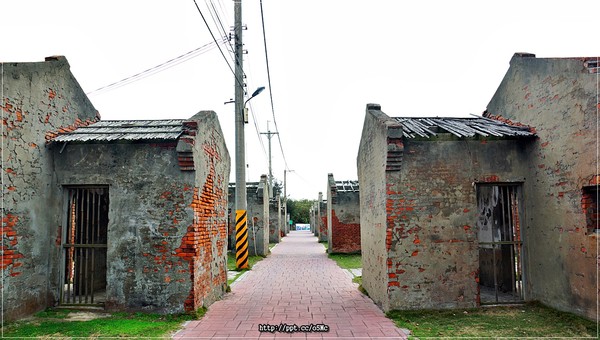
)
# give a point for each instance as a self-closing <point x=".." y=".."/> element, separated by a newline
<point x="84" y="246"/>
<point x="500" y="243"/>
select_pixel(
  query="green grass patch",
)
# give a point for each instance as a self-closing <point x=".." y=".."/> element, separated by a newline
<point x="358" y="279"/>
<point x="325" y="244"/>
<point x="530" y="320"/>
<point x="200" y="312"/>
<point x="252" y="260"/>
<point x="347" y="261"/>
<point x="231" y="265"/>
<point x="53" y="313"/>
<point x="56" y="323"/>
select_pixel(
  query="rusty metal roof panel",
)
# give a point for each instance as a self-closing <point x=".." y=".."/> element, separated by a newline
<point x="346" y="186"/>
<point x="125" y="130"/>
<point x="461" y="127"/>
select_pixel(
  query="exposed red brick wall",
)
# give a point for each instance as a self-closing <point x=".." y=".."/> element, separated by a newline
<point x="345" y="237"/>
<point x="196" y="246"/>
<point x="323" y="228"/>
<point x="10" y="255"/>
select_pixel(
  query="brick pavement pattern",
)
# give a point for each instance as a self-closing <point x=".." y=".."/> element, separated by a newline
<point x="297" y="284"/>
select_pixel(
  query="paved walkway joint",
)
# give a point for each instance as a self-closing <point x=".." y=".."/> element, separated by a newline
<point x="297" y="292"/>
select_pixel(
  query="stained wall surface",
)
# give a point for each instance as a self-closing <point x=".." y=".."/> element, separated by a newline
<point x="167" y="214"/>
<point x="39" y="100"/>
<point x="418" y="212"/>
<point x="558" y="96"/>
<point x="167" y="236"/>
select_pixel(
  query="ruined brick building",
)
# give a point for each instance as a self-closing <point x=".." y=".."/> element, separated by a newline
<point x="258" y="220"/>
<point x="343" y="216"/>
<point x="130" y="215"/>
<point x="499" y="208"/>
<point x="319" y="218"/>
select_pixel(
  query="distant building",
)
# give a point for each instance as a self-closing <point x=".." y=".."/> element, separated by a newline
<point x="343" y="216"/>
<point x="320" y="211"/>
<point x="500" y="208"/>
<point x="258" y="216"/>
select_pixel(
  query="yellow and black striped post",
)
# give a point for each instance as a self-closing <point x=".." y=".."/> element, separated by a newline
<point x="241" y="239"/>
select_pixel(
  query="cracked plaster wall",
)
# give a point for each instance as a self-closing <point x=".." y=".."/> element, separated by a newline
<point x="559" y="97"/>
<point x="38" y="98"/>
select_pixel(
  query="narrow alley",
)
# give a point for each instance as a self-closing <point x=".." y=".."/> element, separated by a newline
<point x="296" y="285"/>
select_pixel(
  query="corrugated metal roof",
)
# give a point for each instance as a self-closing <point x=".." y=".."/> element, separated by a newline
<point x="460" y="127"/>
<point x="346" y="186"/>
<point x="114" y="130"/>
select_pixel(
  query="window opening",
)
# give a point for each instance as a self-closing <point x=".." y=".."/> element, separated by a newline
<point x="589" y="203"/>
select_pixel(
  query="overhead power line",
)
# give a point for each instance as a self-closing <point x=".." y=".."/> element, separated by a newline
<point x="156" y="69"/>
<point x="262" y="16"/>
<point x="262" y="144"/>
<point x="218" y="22"/>
<point x="215" y="40"/>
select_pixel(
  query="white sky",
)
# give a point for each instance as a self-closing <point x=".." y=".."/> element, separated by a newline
<point x="328" y="59"/>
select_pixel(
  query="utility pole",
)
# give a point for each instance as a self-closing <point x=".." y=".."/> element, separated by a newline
<point x="269" y="135"/>
<point x="241" y="228"/>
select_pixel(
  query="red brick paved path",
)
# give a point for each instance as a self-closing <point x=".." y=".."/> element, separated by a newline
<point x="296" y="284"/>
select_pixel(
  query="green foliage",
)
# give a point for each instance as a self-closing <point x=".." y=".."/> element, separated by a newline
<point x="55" y="323"/>
<point x="347" y="261"/>
<point x="530" y="320"/>
<point x="299" y="210"/>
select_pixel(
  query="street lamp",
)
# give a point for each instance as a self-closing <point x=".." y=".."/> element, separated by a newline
<point x="254" y="94"/>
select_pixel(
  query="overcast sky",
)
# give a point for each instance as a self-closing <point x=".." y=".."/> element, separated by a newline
<point x="327" y="59"/>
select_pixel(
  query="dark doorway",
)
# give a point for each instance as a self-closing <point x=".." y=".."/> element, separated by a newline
<point x="84" y="245"/>
<point x="500" y="244"/>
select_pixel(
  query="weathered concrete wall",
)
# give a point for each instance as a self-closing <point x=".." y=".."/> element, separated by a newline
<point x="419" y="209"/>
<point x="260" y="216"/>
<point x="343" y="219"/>
<point x="371" y="165"/>
<point x="313" y="218"/>
<point x="322" y="219"/>
<point x="432" y="213"/>
<point x="258" y="219"/>
<point x="274" y="220"/>
<point x="149" y="214"/>
<point x="559" y="98"/>
<point x="39" y="99"/>
<point x="167" y="233"/>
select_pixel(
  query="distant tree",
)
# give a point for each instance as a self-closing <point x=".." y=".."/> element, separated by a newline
<point x="299" y="210"/>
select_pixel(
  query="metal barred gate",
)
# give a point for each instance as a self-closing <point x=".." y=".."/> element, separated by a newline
<point x="500" y="243"/>
<point x="84" y="246"/>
